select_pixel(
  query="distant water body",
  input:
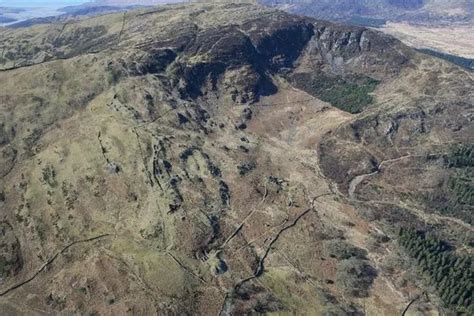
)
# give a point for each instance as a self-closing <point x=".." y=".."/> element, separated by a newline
<point x="39" y="3"/>
<point x="32" y="9"/>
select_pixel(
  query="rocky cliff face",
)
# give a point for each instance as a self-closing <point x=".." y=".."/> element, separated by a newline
<point x="221" y="159"/>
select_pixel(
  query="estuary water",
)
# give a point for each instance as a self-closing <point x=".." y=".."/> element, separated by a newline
<point x="13" y="11"/>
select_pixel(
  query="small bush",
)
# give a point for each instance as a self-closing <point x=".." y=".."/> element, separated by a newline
<point x="49" y="176"/>
<point x="341" y="250"/>
<point x="355" y="277"/>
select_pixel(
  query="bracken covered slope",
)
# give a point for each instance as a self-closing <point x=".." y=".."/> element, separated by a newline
<point x="228" y="159"/>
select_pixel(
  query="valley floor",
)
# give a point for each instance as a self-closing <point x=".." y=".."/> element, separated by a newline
<point x="456" y="40"/>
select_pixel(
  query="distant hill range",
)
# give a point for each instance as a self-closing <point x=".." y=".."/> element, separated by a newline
<point x="10" y="18"/>
<point x="370" y="12"/>
<point x="135" y="2"/>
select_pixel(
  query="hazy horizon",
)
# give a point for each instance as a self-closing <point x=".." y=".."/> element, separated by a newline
<point x="40" y="3"/>
<point x="46" y="8"/>
<point x="32" y="9"/>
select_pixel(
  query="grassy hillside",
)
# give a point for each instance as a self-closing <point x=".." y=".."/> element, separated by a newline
<point x="223" y="159"/>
